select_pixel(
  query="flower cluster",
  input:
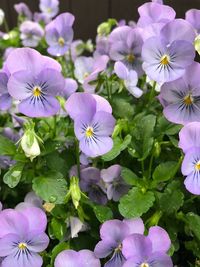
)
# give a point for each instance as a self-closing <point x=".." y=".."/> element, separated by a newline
<point x="99" y="135"/>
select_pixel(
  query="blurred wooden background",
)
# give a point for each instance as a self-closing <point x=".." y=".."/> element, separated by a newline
<point x="90" y="13"/>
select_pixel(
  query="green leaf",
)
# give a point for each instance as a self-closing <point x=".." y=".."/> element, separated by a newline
<point x="7" y="147"/>
<point x="143" y="140"/>
<point x="57" y="228"/>
<point x="166" y="127"/>
<point x="136" y="203"/>
<point x="172" y="198"/>
<point x="51" y="187"/>
<point x="13" y="176"/>
<point x="56" y="162"/>
<point x="165" y="171"/>
<point x="129" y="177"/>
<point x="121" y="107"/>
<point x="103" y="213"/>
<point x="193" y="222"/>
<point x="118" y="146"/>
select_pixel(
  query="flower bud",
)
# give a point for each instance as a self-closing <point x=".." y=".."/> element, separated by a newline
<point x="29" y="144"/>
<point x="75" y="191"/>
<point x="197" y="44"/>
<point x="2" y="16"/>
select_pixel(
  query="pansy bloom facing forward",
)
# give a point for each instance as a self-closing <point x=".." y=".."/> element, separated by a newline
<point x="59" y="34"/>
<point x="112" y="234"/>
<point x="35" y="80"/>
<point x="147" y="251"/>
<point x="22" y="237"/>
<point x="190" y="144"/>
<point x="181" y="98"/>
<point x="93" y="123"/>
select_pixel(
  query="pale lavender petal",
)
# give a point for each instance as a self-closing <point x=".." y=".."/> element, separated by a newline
<point x="104" y="122"/>
<point x="3" y="82"/>
<point x="136" y="245"/>
<point x="121" y="70"/>
<point x="95" y="149"/>
<point x="135" y="226"/>
<point x="109" y="174"/>
<point x="12" y="221"/>
<point x="5" y="101"/>
<point x="189" y="136"/>
<point x="178" y="29"/>
<point x="193" y="17"/>
<point x="70" y="87"/>
<point x="36" y="218"/>
<point x="102" y="104"/>
<point x="81" y="103"/>
<point x="38" y="241"/>
<point x="39" y="107"/>
<point x="83" y="67"/>
<point x="114" y="231"/>
<point x="192" y="183"/>
<point x="160" y="239"/>
<point x="105" y="248"/>
<point x="117" y="260"/>
<point x="67" y="257"/>
<point x="88" y="259"/>
<point x="6" y="244"/>
<point x="191" y="157"/>
<point x="119" y="34"/>
<point x="159" y="259"/>
<point x="22" y="261"/>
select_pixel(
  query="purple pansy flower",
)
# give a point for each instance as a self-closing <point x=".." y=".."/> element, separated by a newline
<point x="59" y="34"/>
<point x="102" y="46"/>
<point x="31" y="33"/>
<point x="112" y="234"/>
<point x="155" y="13"/>
<point x="83" y="258"/>
<point x="116" y="186"/>
<point x="125" y="46"/>
<point x="164" y="62"/>
<point x="35" y="81"/>
<point x="22" y="237"/>
<point x="49" y="7"/>
<point x="189" y="136"/>
<point x="193" y="17"/>
<point x="92" y="184"/>
<point x="191" y="169"/>
<point x="5" y="98"/>
<point x="93" y="123"/>
<point x="83" y="67"/>
<point x="41" y="18"/>
<point x="147" y="251"/>
<point x="181" y="98"/>
<point x="100" y="64"/>
<point x="23" y="10"/>
<point x="130" y="78"/>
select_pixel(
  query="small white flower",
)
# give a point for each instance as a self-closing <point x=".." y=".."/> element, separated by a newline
<point x="31" y="149"/>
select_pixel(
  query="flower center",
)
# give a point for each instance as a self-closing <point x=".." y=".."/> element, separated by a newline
<point x="144" y="264"/>
<point x="130" y="58"/>
<point x="89" y="131"/>
<point x="22" y="246"/>
<point x="197" y="166"/>
<point x="165" y="59"/>
<point x="37" y="91"/>
<point x="61" y="41"/>
<point x="188" y="99"/>
<point x="49" y="10"/>
<point x="119" y="248"/>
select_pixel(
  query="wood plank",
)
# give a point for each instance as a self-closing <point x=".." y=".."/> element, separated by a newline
<point x="89" y="14"/>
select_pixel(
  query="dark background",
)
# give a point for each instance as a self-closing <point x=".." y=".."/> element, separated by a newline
<point x="90" y="13"/>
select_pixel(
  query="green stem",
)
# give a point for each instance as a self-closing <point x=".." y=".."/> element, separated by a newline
<point x="78" y="158"/>
<point x="6" y="25"/>
<point x="150" y="165"/>
<point x="142" y="165"/>
<point x="151" y="95"/>
<point x="54" y="126"/>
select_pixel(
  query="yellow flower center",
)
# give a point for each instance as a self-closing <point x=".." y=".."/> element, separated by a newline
<point x="130" y="58"/>
<point x="61" y="41"/>
<point x="197" y="166"/>
<point x="49" y="10"/>
<point x="37" y="91"/>
<point x="119" y="248"/>
<point x="144" y="265"/>
<point x="165" y="60"/>
<point x="188" y="100"/>
<point x="89" y="132"/>
<point x="22" y="246"/>
<point x="48" y="206"/>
